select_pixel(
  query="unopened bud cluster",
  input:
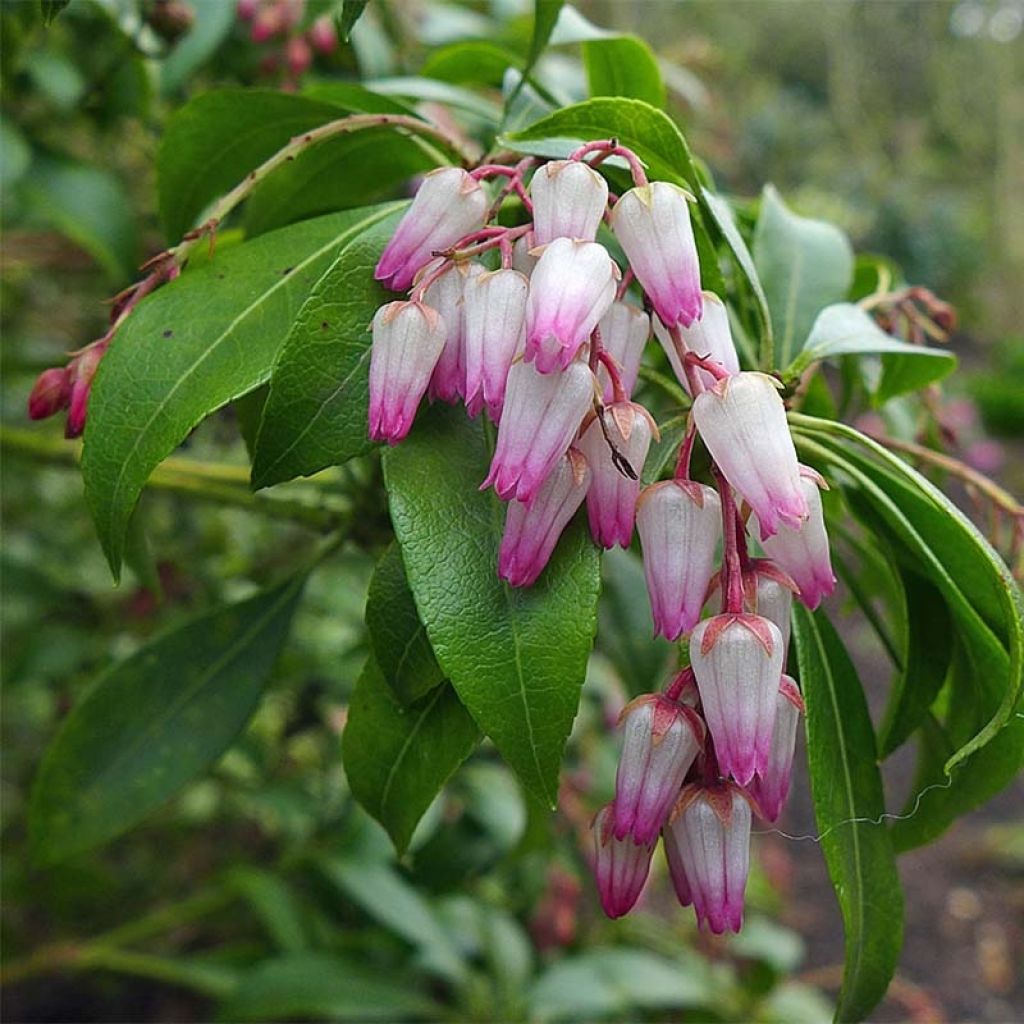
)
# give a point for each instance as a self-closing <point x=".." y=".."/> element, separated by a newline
<point x="291" y="47"/>
<point x="548" y="345"/>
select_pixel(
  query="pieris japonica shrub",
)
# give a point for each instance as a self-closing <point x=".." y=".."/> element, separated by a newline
<point x="564" y="340"/>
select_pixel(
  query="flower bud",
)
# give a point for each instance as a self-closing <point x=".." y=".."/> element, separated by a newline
<point x="620" y="865"/>
<point x="50" y="393"/>
<point x="611" y="500"/>
<point x="541" y="415"/>
<point x="449" y="205"/>
<point x="246" y="9"/>
<point x="323" y="36"/>
<point x="298" y="55"/>
<point x="445" y="294"/>
<point x="81" y="372"/>
<point x="773" y="597"/>
<point x="407" y="342"/>
<point x="652" y="223"/>
<point x="743" y="423"/>
<point x="771" y="787"/>
<point x="676" y="867"/>
<point x="531" y="532"/>
<point x="661" y="739"/>
<point x="737" y="660"/>
<point x="569" y="200"/>
<point x="709" y="336"/>
<point x="709" y="836"/>
<point x="494" y="315"/>
<point x="803" y="552"/>
<point x="624" y="332"/>
<point x="680" y="525"/>
<point x="571" y="288"/>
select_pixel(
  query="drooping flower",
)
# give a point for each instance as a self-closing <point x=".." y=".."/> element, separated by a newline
<point x="50" y="393"/>
<point x="407" y="341"/>
<point x="531" y="532"/>
<point x="449" y="205"/>
<point x="773" y="596"/>
<point x="569" y="200"/>
<point x="571" y="288"/>
<point x="624" y="332"/>
<point x="541" y="415"/>
<point x="680" y="525"/>
<point x="445" y="294"/>
<point x="737" y="659"/>
<point x="620" y="866"/>
<point x="803" y="551"/>
<point x="743" y="423"/>
<point x="661" y="738"/>
<point x="611" y="500"/>
<point x="652" y="223"/>
<point x="771" y="787"/>
<point x="494" y="318"/>
<point x="708" y="834"/>
<point x="709" y="336"/>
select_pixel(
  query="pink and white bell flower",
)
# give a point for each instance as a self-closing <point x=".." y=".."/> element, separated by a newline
<point x="771" y="787"/>
<point x="407" y="341"/>
<point x="737" y="659"/>
<point x="803" y="551"/>
<point x="532" y="532"/>
<point x="494" y="320"/>
<point x="540" y="418"/>
<point x="445" y="293"/>
<point x="569" y="200"/>
<point x="680" y="526"/>
<point x="709" y="836"/>
<point x="709" y="336"/>
<point x="676" y="868"/>
<point x="449" y="205"/>
<point x="620" y="866"/>
<point x="743" y="423"/>
<point x="571" y="288"/>
<point x="624" y="332"/>
<point x="773" y="596"/>
<point x="652" y="224"/>
<point x="661" y="739"/>
<point x="524" y="255"/>
<point x="611" y="500"/>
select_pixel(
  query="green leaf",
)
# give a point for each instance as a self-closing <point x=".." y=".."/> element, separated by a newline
<point x="321" y="986"/>
<point x="216" y="139"/>
<point x="88" y="205"/>
<point x="845" y="329"/>
<point x="545" y="16"/>
<point x="51" y="8"/>
<point x="397" y="637"/>
<point x="199" y="342"/>
<point x="470" y="62"/>
<point x="399" y="757"/>
<point x="154" y="722"/>
<point x="848" y="807"/>
<point x="927" y="652"/>
<point x="316" y="412"/>
<point x="351" y="11"/>
<point x="623" y="66"/>
<point x="516" y="656"/>
<point x="15" y="153"/>
<point x="430" y="90"/>
<point x="665" y="449"/>
<point x="212" y="22"/>
<point x="275" y="905"/>
<point x="804" y="265"/>
<point x="387" y="897"/>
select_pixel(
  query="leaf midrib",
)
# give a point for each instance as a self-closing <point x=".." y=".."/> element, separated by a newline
<point x="385" y="793"/>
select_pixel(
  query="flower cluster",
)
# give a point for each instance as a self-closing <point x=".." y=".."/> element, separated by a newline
<point x="548" y="344"/>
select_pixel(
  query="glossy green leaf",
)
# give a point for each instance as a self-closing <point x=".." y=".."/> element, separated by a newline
<point x="845" y="329"/>
<point x="322" y="986"/>
<point x="316" y="412"/>
<point x="665" y="450"/>
<point x="87" y="204"/>
<point x="210" y="26"/>
<point x="154" y="722"/>
<point x="351" y="11"/>
<point x="470" y="62"/>
<point x="623" y="66"/>
<point x="216" y="139"/>
<point x="199" y="342"/>
<point x="399" y="757"/>
<point x="516" y="656"/>
<point x="927" y="653"/>
<point x="545" y="16"/>
<point x="397" y="636"/>
<point x="430" y="90"/>
<point x="848" y="807"/>
<point x="804" y="265"/>
<point x="392" y="901"/>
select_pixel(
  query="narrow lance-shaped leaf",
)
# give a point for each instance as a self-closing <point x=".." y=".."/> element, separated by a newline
<point x="398" y="757"/>
<point x="848" y="808"/>
<point x="316" y="411"/>
<point x="545" y="16"/>
<point x="199" y="342"/>
<point x="516" y="657"/>
<point x="154" y="722"/>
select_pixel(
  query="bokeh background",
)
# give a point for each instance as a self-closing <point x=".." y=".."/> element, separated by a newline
<point x="901" y="121"/>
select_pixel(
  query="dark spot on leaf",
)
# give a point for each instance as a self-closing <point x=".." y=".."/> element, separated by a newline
<point x="287" y="271"/>
<point x="168" y="333"/>
<point x="220" y="277"/>
<point x="324" y="325"/>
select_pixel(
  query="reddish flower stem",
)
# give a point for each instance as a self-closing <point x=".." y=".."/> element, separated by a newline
<point x="686" y="451"/>
<point x="679" y="682"/>
<point x="689" y="368"/>
<point x="713" y="366"/>
<point x="610" y="364"/>
<point x="732" y="568"/>
<point x="606" y="148"/>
